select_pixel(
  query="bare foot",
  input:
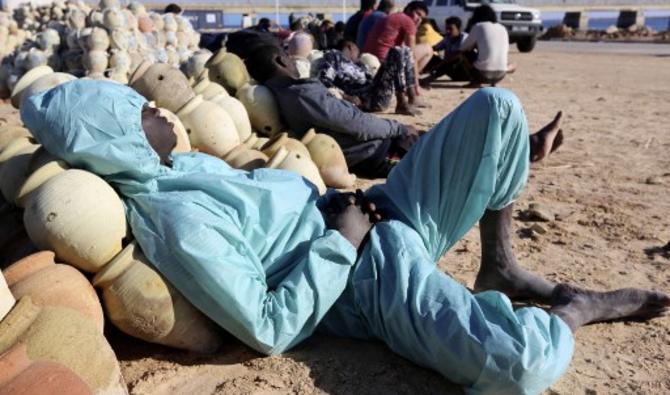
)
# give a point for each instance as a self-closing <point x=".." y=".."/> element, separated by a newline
<point x="547" y="139"/>
<point x="425" y="83"/>
<point x="515" y="282"/>
<point x="499" y="269"/>
<point x="418" y="103"/>
<point x="407" y="110"/>
<point x="578" y="307"/>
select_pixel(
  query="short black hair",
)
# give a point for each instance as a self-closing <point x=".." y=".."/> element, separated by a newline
<point x="173" y="8"/>
<point x="386" y="5"/>
<point x="343" y="44"/>
<point x="483" y="13"/>
<point x="453" y="20"/>
<point x="339" y="26"/>
<point x="296" y="25"/>
<point x="261" y="63"/>
<point x="368" y="4"/>
<point x="264" y="21"/>
<point x="416" y="5"/>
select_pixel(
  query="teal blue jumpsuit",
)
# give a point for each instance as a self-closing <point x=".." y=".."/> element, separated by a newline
<point x="251" y="249"/>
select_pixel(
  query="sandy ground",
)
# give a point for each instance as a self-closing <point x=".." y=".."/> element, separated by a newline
<point x="608" y="190"/>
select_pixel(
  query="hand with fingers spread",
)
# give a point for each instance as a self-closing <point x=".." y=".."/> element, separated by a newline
<point x="353" y="215"/>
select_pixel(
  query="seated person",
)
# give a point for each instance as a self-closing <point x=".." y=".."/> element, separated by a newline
<point x="263" y="25"/>
<point x="399" y="30"/>
<point x="244" y="42"/>
<point x="383" y="10"/>
<point x="489" y="64"/>
<point x="455" y="37"/>
<point x="428" y="33"/>
<point x="366" y="140"/>
<point x="336" y="34"/>
<point x="269" y="261"/>
<point x="319" y="30"/>
<point x="353" y="23"/>
<point x="448" y="59"/>
<point x="299" y="48"/>
<point x="369" y="143"/>
<point x="339" y="69"/>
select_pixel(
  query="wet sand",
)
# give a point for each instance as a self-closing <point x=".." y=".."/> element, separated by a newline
<point x="608" y="189"/>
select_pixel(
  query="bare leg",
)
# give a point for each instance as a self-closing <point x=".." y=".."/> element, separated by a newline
<point x="499" y="269"/>
<point x="547" y="139"/>
<point x="423" y="53"/>
<point x="404" y="107"/>
<point x="578" y="307"/>
<point x="412" y="101"/>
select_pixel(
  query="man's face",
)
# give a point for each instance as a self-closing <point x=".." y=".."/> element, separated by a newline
<point x="159" y="132"/>
<point x="417" y="16"/>
<point x="351" y="52"/>
<point x="453" y="31"/>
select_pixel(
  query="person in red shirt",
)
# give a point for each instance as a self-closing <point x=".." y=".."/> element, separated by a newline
<point x="398" y="32"/>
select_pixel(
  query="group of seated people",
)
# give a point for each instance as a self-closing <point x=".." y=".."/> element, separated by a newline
<point x="271" y="262"/>
<point x="478" y="55"/>
<point x="407" y="45"/>
<point x="372" y="145"/>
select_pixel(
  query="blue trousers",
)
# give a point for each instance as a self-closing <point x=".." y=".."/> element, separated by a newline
<point x="474" y="159"/>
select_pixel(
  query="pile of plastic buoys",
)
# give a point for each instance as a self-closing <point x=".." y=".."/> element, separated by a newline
<point x="225" y="114"/>
<point x="216" y="108"/>
<point x="58" y="223"/>
<point x="103" y="42"/>
<point x="61" y="226"/>
<point x="51" y="332"/>
<point x="79" y="217"/>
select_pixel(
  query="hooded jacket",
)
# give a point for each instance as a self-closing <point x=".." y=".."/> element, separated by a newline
<point x="249" y="249"/>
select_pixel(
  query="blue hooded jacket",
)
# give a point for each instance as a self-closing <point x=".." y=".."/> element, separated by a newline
<point x="250" y="249"/>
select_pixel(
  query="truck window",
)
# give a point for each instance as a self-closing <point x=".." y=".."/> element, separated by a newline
<point x="441" y="3"/>
<point x="428" y="2"/>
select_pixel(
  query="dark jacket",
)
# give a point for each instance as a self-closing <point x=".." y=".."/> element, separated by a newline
<point x="306" y="104"/>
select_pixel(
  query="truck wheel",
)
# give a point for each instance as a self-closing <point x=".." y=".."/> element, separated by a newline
<point x="526" y="44"/>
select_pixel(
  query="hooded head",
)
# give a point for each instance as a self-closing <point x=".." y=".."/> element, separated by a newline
<point x="96" y="126"/>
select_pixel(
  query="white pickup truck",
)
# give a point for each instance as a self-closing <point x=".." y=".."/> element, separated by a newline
<point x="523" y="24"/>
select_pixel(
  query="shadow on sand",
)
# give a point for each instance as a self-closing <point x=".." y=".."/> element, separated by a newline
<point x="331" y="365"/>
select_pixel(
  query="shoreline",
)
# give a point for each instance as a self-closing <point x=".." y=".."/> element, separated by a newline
<point x="606" y="41"/>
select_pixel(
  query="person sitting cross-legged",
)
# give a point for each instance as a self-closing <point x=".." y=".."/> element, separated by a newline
<point x="453" y="62"/>
<point x="339" y="69"/>
<point x="482" y="56"/>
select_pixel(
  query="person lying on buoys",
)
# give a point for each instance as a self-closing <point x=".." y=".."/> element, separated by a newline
<point x="268" y="260"/>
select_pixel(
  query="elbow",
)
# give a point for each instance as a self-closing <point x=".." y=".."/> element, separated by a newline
<point x="270" y="349"/>
<point x="271" y="342"/>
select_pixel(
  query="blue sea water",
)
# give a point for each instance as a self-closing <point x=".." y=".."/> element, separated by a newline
<point x="597" y="21"/>
<point x="656" y="23"/>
